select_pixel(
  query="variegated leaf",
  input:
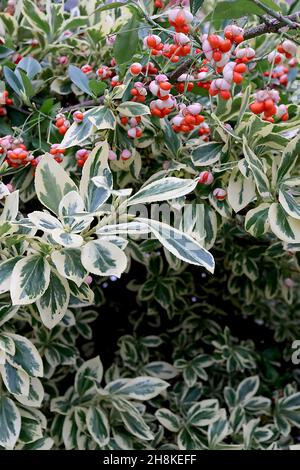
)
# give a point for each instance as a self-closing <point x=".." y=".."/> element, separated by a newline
<point x="15" y="379"/>
<point x="103" y="258"/>
<point x="206" y="225"/>
<point x="162" y="190"/>
<point x="98" y="425"/>
<point x="183" y="246"/>
<point x="26" y="356"/>
<point x="141" y="388"/>
<point x="207" y="154"/>
<point x="256" y="221"/>
<point x="89" y="375"/>
<point x="10" y="423"/>
<point x="286" y="228"/>
<point x="44" y="221"/>
<point x="222" y="207"/>
<point x="132" y="109"/>
<point x="7" y="344"/>
<point x="7" y="311"/>
<point x="130" y="228"/>
<point x="289" y="201"/>
<point x="79" y="132"/>
<point x="96" y="165"/>
<point x="52" y="183"/>
<point x="103" y="118"/>
<point x="72" y="203"/>
<point x="257" y="169"/>
<point x="289" y="159"/>
<point x="53" y="305"/>
<point x="6" y="269"/>
<point x="35" y="395"/>
<point x="68" y="263"/>
<point x="11" y="207"/>
<point x="67" y="239"/>
<point x="241" y="190"/>
<point x="168" y="419"/>
<point x="30" y="279"/>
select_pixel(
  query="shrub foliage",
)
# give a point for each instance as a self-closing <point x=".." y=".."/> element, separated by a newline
<point x="149" y="225"/>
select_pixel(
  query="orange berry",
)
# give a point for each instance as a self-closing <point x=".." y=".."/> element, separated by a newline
<point x="217" y="56"/>
<point x="229" y="35"/>
<point x="237" y="77"/>
<point x="60" y="122"/>
<point x="257" y="107"/>
<point x="166" y="86"/>
<point x="214" y="41"/>
<point x="124" y="120"/>
<point x="199" y="119"/>
<point x="189" y="119"/>
<point x="268" y="104"/>
<point x="225" y="94"/>
<point x="239" y="38"/>
<point x="240" y="68"/>
<point x="135" y="69"/>
<point x="225" y="45"/>
<point x="62" y="130"/>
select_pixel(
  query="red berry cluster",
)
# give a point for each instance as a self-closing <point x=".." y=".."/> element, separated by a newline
<point x="58" y="153"/>
<point x="218" y="52"/>
<point x="115" y="81"/>
<point x="284" y="51"/>
<point x="173" y="51"/>
<point x="138" y="92"/>
<point x="188" y="118"/>
<point x="266" y="104"/>
<point x="279" y="75"/>
<point x="202" y="75"/>
<point x="185" y="83"/>
<point x="204" y="131"/>
<point x="206" y="178"/>
<point x="16" y="153"/>
<point x="180" y="19"/>
<point x="86" y="69"/>
<point x="288" y="48"/>
<point x="61" y="123"/>
<point x="104" y="72"/>
<point x="158" y="4"/>
<point x="166" y="102"/>
<point x="220" y="194"/>
<point x="154" y="43"/>
<point x="4" y="100"/>
<point x="134" y="132"/>
<point x="124" y="155"/>
<point x="81" y="156"/>
<point x="234" y="33"/>
<point x="78" y="116"/>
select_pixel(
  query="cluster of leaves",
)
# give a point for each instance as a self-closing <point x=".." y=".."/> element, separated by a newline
<point x="182" y="373"/>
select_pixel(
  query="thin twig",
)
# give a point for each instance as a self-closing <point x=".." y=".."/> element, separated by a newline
<point x="272" y="25"/>
<point x="285" y="19"/>
<point x="83" y="104"/>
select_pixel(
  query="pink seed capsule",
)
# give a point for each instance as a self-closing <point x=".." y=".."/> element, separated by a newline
<point x="206" y="178"/>
<point x="220" y="194"/>
<point x="112" y="155"/>
<point x="81" y="153"/>
<point x="288" y="282"/>
<point x="10" y="187"/>
<point x="125" y="154"/>
<point x="194" y="109"/>
<point x="78" y="116"/>
<point x="89" y="279"/>
<point x="63" y="60"/>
